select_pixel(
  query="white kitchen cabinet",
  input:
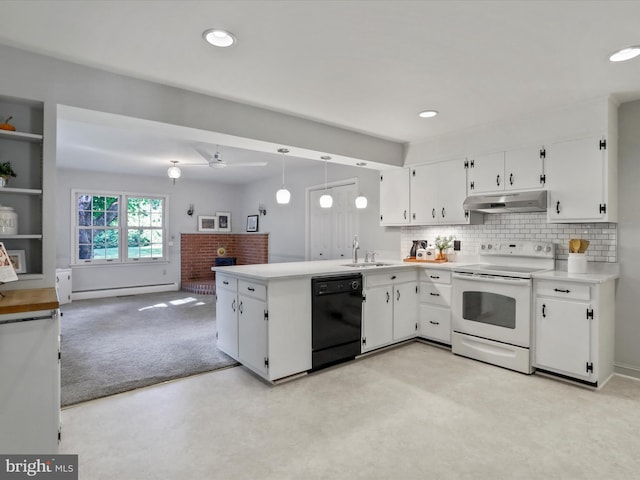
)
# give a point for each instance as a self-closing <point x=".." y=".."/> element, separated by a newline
<point x="30" y="376"/>
<point x="23" y="148"/>
<point x="520" y="169"/>
<point x="269" y="331"/>
<point x="63" y="285"/>
<point x="581" y="178"/>
<point x="394" y="197"/>
<point x="438" y="191"/>
<point x="227" y="314"/>
<point x="434" y="320"/>
<point x="390" y="309"/>
<point x="574" y="329"/>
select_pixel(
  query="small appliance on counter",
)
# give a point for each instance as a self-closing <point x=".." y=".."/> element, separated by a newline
<point x="417" y="244"/>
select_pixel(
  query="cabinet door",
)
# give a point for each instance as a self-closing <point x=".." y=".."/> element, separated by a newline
<point x="563" y="336"/>
<point x="377" y="326"/>
<point x="435" y="323"/>
<point x="394" y="197"/>
<point x="575" y="180"/>
<point x="424" y="194"/>
<point x="452" y="192"/>
<point x="405" y="310"/>
<point x="523" y="169"/>
<point x="227" y="321"/>
<point x="486" y="173"/>
<point x="252" y="334"/>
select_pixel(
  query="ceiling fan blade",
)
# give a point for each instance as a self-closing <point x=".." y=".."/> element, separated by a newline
<point x="246" y="164"/>
<point x="206" y="155"/>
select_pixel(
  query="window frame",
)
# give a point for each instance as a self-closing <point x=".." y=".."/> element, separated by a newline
<point x="122" y="228"/>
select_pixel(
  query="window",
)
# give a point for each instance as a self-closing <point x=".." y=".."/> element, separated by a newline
<point x="119" y="228"/>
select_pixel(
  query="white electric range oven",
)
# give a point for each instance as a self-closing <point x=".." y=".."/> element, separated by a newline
<point x="491" y="303"/>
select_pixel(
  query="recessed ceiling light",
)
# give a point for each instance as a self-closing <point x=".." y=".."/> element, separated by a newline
<point x="428" y="114"/>
<point x="218" y="37"/>
<point x="625" y="54"/>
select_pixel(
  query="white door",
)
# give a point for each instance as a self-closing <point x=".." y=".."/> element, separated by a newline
<point x="486" y="173"/>
<point x="377" y="326"/>
<point x="452" y="192"/>
<point x="523" y="169"/>
<point x="227" y="321"/>
<point x="405" y="310"/>
<point x="563" y="336"/>
<point x="331" y="230"/>
<point x="394" y="197"/>
<point x="424" y="194"/>
<point x="576" y="180"/>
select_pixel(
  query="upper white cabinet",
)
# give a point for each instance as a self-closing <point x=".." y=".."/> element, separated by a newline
<point x="394" y="197"/>
<point x="438" y="191"/>
<point x="521" y="169"/>
<point x="581" y="181"/>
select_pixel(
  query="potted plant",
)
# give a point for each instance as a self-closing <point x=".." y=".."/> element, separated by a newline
<point x="442" y="244"/>
<point x="5" y="172"/>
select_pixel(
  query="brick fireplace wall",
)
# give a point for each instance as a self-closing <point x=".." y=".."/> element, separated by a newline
<point x="199" y="250"/>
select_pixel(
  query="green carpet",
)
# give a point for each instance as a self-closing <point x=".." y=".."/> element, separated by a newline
<point x="112" y="345"/>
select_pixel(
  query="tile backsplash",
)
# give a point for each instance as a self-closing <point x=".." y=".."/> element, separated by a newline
<point x="603" y="237"/>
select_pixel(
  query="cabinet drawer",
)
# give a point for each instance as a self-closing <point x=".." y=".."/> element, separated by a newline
<point x="378" y="279"/>
<point x="574" y="291"/>
<point x="435" y="323"/>
<point x="434" y="275"/>
<point x="435" y="294"/>
<point x="256" y="290"/>
<point x="224" y="281"/>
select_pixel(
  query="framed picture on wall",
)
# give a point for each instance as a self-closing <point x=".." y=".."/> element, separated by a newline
<point x="18" y="260"/>
<point x="224" y="221"/>
<point x="207" y="223"/>
<point x="252" y="223"/>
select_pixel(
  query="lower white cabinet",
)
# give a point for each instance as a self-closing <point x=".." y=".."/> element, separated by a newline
<point x="63" y="285"/>
<point x="574" y="329"/>
<point x="390" y="309"/>
<point x="434" y="320"/>
<point x="30" y="380"/>
<point x="266" y="326"/>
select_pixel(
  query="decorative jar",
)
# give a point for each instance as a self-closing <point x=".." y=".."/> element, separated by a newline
<point x="8" y="221"/>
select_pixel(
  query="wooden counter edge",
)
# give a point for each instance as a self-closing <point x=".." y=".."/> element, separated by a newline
<point x="30" y="300"/>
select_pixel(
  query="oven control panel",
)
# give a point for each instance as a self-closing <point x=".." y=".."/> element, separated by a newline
<point x="518" y="248"/>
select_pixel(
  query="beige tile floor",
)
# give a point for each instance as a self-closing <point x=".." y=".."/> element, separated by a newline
<point x="414" y="412"/>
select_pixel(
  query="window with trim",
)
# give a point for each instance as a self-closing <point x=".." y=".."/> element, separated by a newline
<point x="119" y="228"/>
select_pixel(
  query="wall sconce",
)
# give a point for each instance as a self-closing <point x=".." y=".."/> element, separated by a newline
<point x="190" y="211"/>
<point x="262" y="210"/>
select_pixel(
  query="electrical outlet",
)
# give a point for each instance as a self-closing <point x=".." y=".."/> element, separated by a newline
<point x="456" y="245"/>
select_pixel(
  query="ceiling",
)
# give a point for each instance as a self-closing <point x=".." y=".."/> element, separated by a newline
<point x="368" y="66"/>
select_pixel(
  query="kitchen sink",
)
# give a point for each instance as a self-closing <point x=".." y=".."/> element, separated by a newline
<point x="366" y="265"/>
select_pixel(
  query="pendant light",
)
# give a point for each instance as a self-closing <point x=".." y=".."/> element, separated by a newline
<point x="326" y="201"/>
<point x="361" y="201"/>
<point x="174" y="172"/>
<point x="283" y="195"/>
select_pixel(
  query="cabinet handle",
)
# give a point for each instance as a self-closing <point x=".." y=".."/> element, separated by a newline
<point x="561" y="291"/>
<point x="225" y="282"/>
<point x="558" y="207"/>
<point x="251" y="289"/>
<point x="442" y="212"/>
<point x="393" y="277"/>
<point x="434" y="276"/>
<point x="233" y="305"/>
<point x="511" y="179"/>
<point x="434" y="294"/>
<point x="498" y="180"/>
<point x="405" y="214"/>
<point x="388" y="297"/>
<point x="544" y="315"/>
<point x="240" y="307"/>
<point x="434" y="323"/>
<point x="398" y="295"/>
<point x="433" y="212"/>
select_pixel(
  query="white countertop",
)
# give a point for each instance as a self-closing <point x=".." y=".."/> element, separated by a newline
<point x="597" y="272"/>
<point x="271" y="271"/>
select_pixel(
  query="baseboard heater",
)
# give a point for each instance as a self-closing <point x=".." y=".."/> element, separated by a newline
<point x="120" y="291"/>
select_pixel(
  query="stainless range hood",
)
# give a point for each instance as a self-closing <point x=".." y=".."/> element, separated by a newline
<point x="535" y="201"/>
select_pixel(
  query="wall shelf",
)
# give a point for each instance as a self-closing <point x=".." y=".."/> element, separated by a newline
<point x="20" y="136"/>
<point x="20" y="237"/>
<point x="23" y="191"/>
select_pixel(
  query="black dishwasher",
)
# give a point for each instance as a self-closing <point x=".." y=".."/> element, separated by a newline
<point x="336" y="319"/>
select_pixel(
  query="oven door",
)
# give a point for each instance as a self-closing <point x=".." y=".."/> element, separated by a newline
<point x="492" y="307"/>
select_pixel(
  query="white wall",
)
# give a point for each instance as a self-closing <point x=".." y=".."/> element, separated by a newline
<point x="286" y="223"/>
<point x="207" y="198"/>
<point x="627" y="319"/>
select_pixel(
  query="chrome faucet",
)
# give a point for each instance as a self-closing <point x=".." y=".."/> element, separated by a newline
<point x="356" y="247"/>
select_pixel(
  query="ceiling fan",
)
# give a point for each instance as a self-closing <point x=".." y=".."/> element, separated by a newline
<point x="215" y="160"/>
